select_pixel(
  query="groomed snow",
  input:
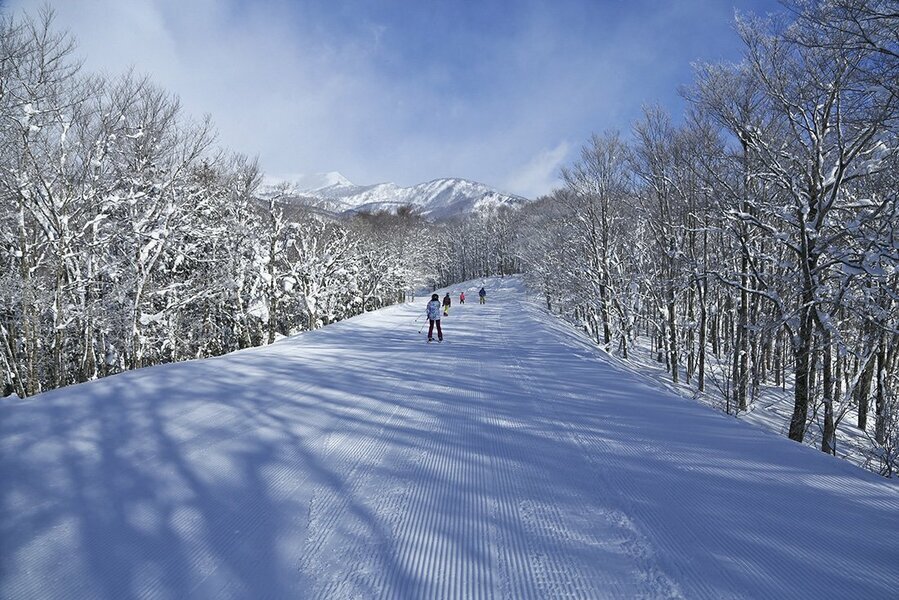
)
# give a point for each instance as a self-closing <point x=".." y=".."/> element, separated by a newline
<point x="512" y="461"/>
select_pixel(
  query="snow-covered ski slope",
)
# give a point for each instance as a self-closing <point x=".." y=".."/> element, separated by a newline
<point x="511" y="461"/>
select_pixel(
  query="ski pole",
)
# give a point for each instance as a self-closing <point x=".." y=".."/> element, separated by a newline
<point x="422" y="325"/>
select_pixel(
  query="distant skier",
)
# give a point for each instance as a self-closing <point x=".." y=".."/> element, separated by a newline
<point x="461" y="297"/>
<point x="446" y="304"/>
<point x="483" y="296"/>
<point x="433" y="312"/>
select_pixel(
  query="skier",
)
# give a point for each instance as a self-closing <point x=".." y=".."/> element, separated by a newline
<point x="433" y="312"/>
<point x="461" y="297"/>
<point x="446" y="304"/>
<point x="483" y="295"/>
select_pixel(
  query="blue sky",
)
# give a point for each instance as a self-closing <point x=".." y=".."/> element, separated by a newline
<point x="499" y="92"/>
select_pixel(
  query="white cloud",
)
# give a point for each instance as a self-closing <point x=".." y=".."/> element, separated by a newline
<point x="316" y="87"/>
<point x="540" y="174"/>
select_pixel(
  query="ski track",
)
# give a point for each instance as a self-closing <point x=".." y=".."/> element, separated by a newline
<point x="511" y="461"/>
<point x="646" y="580"/>
<point x="653" y="581"/>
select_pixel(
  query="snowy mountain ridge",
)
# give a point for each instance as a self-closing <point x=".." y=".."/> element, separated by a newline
<point x="437" y="199"/>
<point x="308" y="183"/>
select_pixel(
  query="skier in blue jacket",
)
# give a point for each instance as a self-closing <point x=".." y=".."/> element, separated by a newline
<point x="433" y="311"/>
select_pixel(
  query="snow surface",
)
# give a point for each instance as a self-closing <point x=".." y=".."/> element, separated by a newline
<point x="512" y="461"/>
<point x="771" y="410"/>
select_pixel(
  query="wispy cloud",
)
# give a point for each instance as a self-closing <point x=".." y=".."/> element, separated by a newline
<point x="407" y="91"/>
<point x="540" y="173"/>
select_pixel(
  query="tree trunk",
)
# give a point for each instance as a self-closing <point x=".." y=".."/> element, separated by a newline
<point x="661" y="351"/>
<point x="690" y="335"/>
<point x="742" y="346"/>
<point x="703" y="316"/>
<point x="672" y="335"/>
<point x="135" y="360"/>
<point x="604" y="315"/>
<point x="777" y="362"/>
<point x="803" y="356"/>
<point x="862" y="394"/>
<point x="828" y="439"/>
<point x="880" y="413"/>
<point x="31" y="385"/>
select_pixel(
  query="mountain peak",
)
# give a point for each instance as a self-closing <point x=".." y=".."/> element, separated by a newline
<point x="436" y="199"/>
<point x="311" y="182"/>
